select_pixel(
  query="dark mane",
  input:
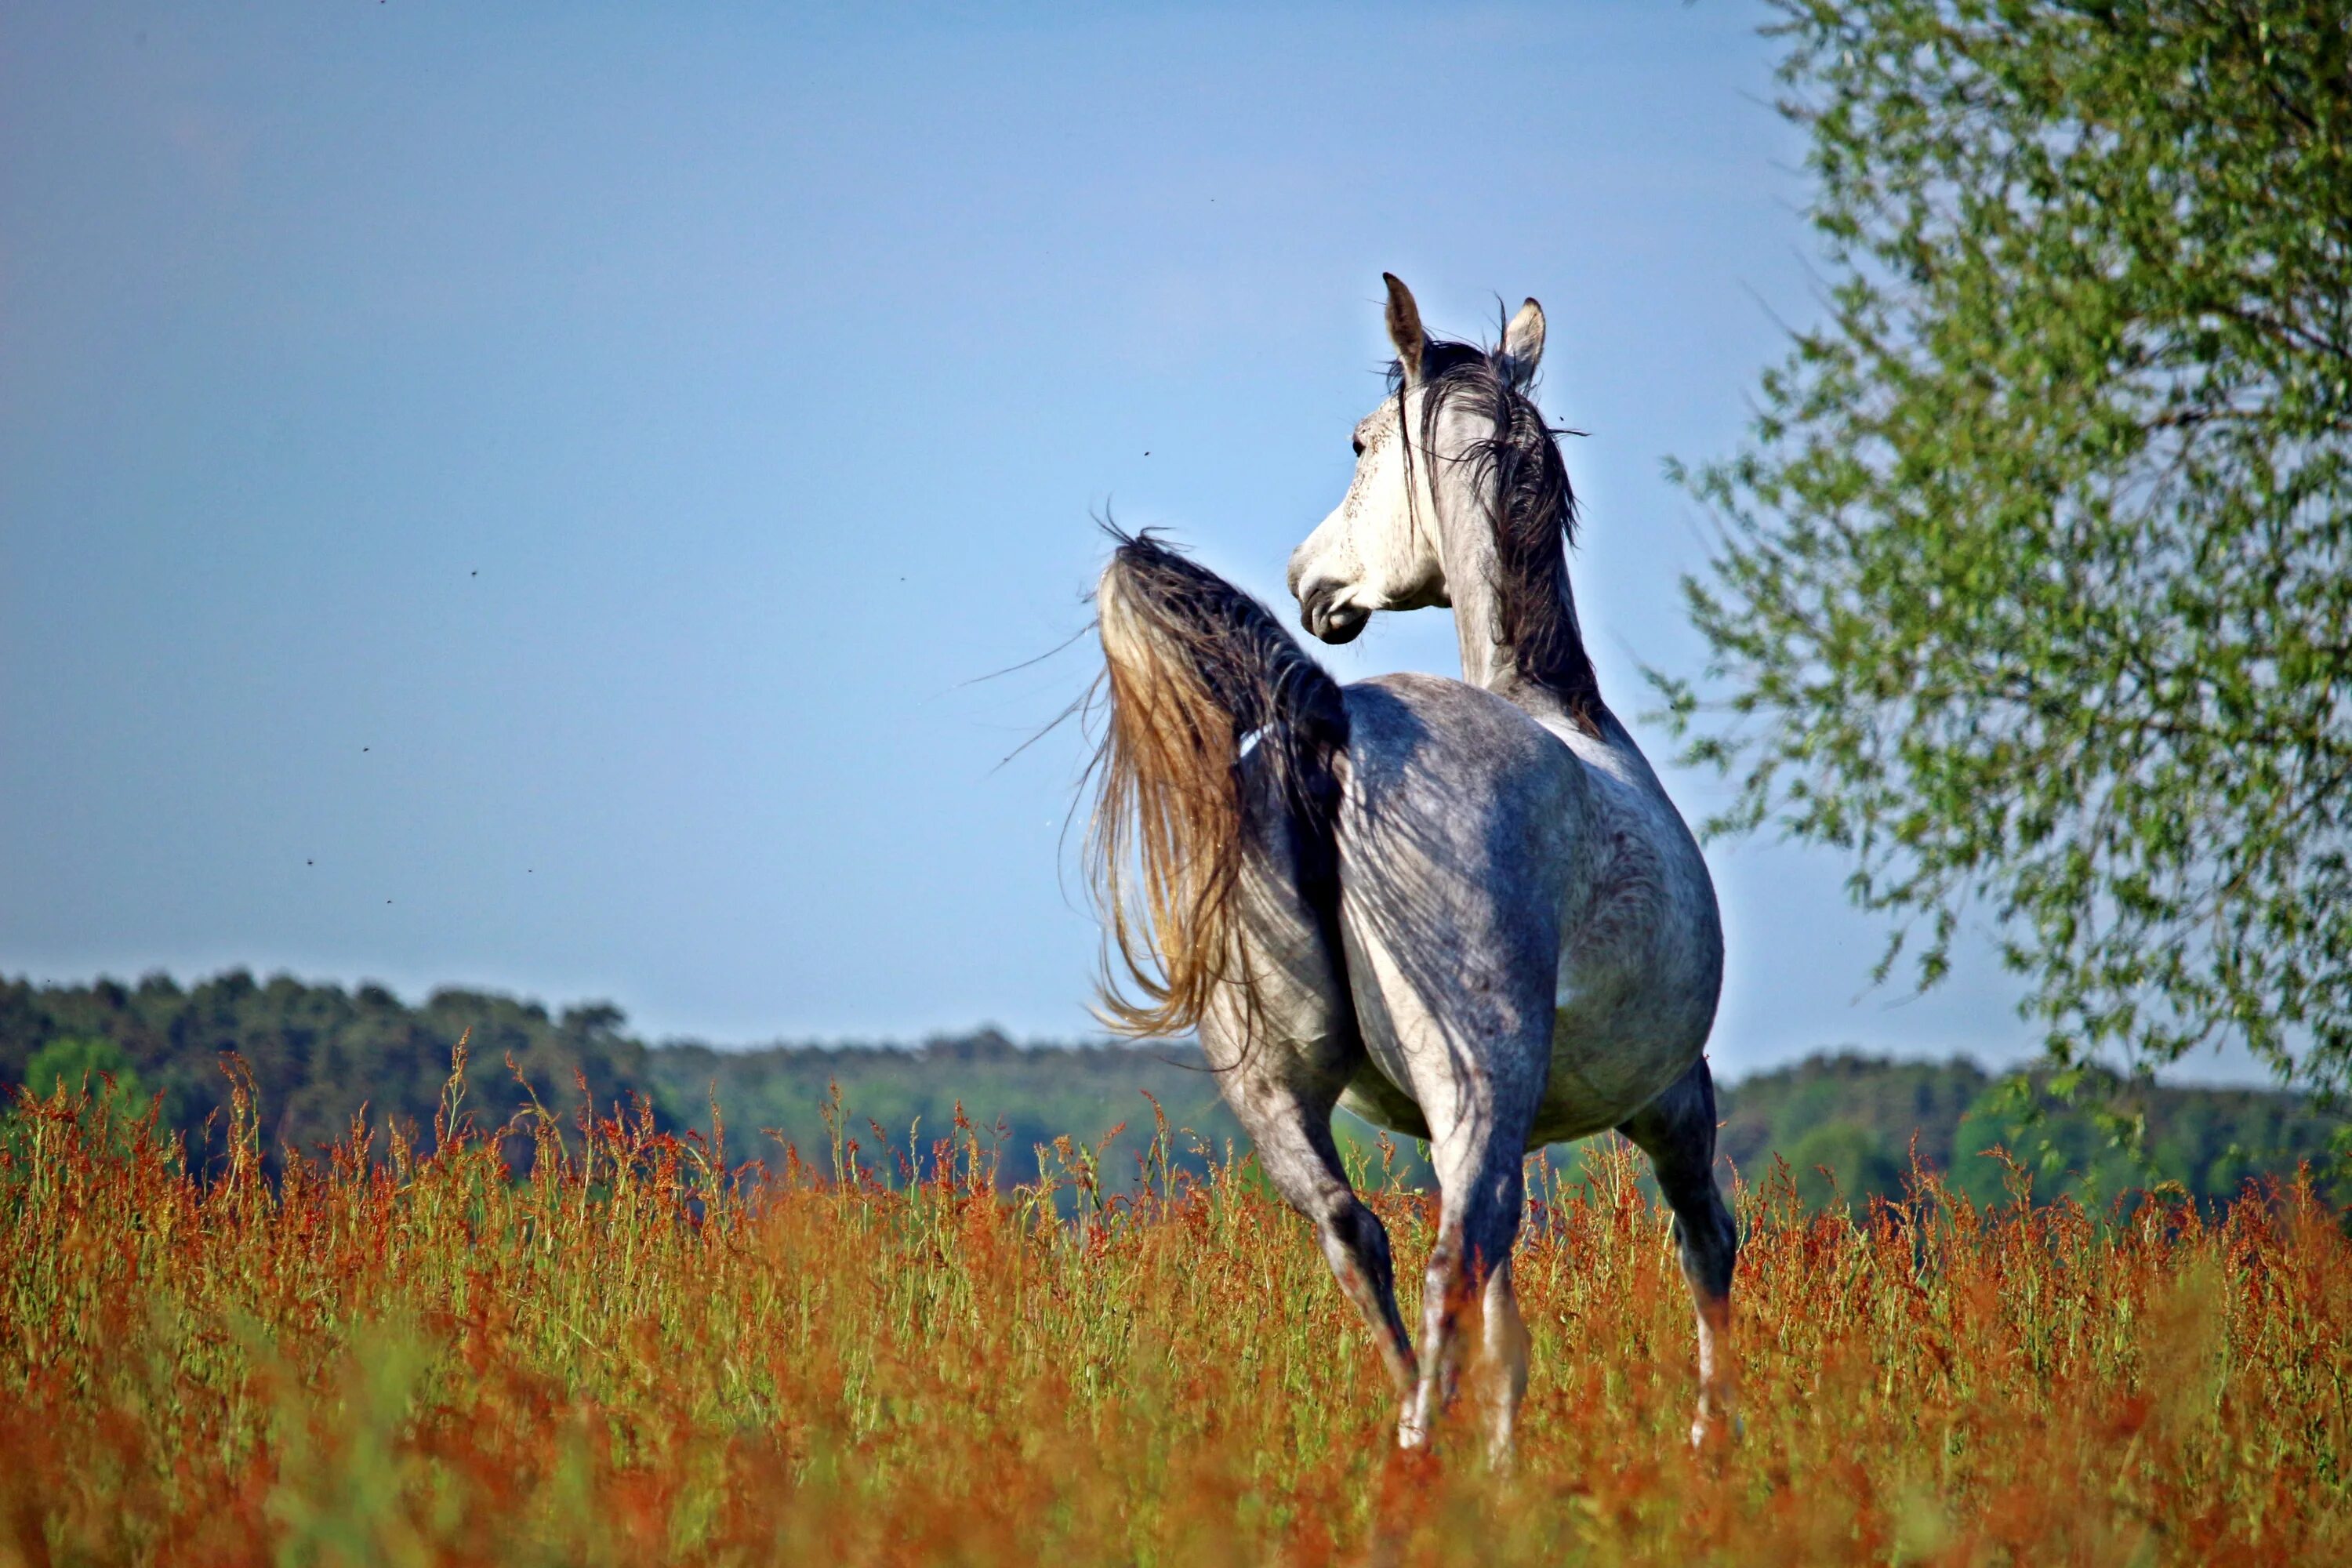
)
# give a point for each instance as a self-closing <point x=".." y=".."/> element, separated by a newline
<point x="1536" y="520"/>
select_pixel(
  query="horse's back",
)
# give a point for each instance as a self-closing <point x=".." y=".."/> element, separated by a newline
<point x="1509" y="901"/>
<point x="1459" y="823"/>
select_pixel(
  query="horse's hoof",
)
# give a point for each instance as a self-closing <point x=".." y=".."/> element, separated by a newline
<point x="1711" y="1433"/>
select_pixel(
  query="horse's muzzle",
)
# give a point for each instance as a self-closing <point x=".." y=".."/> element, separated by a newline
<point x="1322" y="612"/>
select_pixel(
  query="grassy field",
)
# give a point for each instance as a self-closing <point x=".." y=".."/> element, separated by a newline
<point x="640" y="1352"/>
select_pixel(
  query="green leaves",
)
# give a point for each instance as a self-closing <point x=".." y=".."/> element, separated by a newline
<point x="2034" y="592"/>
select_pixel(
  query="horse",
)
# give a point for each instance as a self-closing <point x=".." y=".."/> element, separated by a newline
<point x="1463" y="910"/>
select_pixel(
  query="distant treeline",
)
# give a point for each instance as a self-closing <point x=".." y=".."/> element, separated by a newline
<point x="1857" y="1118"/>
<point x="322" y="1058"/>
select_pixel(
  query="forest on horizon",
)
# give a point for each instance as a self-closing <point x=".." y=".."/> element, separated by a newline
<point x="322" y="1055"/>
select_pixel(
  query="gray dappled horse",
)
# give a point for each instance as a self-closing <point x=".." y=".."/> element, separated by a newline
<point x="1465" y="910"/>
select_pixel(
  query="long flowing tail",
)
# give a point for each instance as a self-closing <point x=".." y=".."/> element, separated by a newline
<point x="1198" y="670"/>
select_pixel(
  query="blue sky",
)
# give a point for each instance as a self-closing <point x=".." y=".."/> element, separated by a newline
<point x="521" y="496"/>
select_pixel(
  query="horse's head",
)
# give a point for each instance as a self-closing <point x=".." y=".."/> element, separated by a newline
<point x="1383" y="548"/>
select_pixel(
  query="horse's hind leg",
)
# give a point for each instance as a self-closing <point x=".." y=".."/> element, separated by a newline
<point x="1283" y="1046"/>
<point x="1466" y="1005"/>
<point x="1477" y="1156"/>
<point x="1507" y="1361"/>
<point x="1677" y="1131"/>
<point x="1284" y="1101"/>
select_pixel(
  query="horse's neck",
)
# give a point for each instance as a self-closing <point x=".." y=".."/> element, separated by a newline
<point x="1470" y="562"/>
<point x="1466" y="523"/>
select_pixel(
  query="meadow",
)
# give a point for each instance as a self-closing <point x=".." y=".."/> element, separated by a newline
<point x="581" y="1339"/>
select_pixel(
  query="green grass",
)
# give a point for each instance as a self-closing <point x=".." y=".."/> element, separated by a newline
<point x="641" y="1352"/>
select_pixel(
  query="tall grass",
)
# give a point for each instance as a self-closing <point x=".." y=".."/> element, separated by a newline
<point x="638" y="1351"/>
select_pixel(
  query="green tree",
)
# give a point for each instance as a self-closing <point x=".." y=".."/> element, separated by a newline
<point x="2065" y="1153"/>
<point x="1844" y="1161"/>
<point x="2033" y="592"/>
<point x="75" y="1062"/>
<point x="72" y="1066"/>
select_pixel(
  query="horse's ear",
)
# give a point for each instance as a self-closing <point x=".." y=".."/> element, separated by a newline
<point x="1523" y="343"/>
<point x="1404" y="326"/>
